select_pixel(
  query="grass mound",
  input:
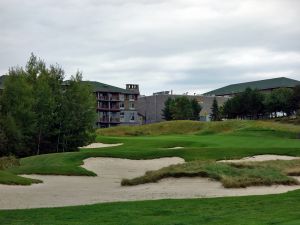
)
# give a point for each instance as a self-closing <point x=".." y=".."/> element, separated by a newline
<point x="202" y="128"/>
<point x="230" y="175"/>
<point x="170" y="127"/>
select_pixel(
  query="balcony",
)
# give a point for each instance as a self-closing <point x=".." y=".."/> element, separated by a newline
<point x="115" y="109"/>
<point x="111" y="109"/>
<point x="103" y="98"/>
<point x="108" y="98"/>
<point x="114" y="98"/>
<point x="109" y="120"/>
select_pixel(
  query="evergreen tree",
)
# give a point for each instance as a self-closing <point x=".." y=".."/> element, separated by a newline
<point x="296" y="98"/>
<point x="166" y="112"/>
<point x="196" y="109"/>
<point x="181" y="108"/>
<point x="215" y="113"/>
<point x="280" y="100"/>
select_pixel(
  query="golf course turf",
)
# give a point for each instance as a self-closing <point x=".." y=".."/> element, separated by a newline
<point x="200" y="141"/>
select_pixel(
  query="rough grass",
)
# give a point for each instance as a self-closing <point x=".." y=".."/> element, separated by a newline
<point x="195" y="127"/>
<point x="295" y="121"/>
<point x="8" y="162"/>
<point x="231" y="175"/>
<point x="282" y="209"/>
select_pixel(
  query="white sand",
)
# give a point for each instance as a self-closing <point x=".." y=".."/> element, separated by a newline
<point x="260" y="158"/>
<point x="177" y="147"/>
<point x="101" y="145"/>
<point x="80" y="190"/>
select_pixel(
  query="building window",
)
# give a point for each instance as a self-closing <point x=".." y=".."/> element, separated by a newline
<point x="131" y="105"/>
<point x="132" y="117"/>
<point x="131" y="97"/>
<point x="122" y="105"/>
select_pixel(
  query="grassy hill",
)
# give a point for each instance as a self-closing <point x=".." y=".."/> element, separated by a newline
<point x="195" y="127"/>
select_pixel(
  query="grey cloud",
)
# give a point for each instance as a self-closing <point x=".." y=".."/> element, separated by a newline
<point x="185" y="45"/>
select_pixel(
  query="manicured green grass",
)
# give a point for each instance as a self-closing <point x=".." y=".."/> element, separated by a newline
<point x="231" y="175"/>
<point x="10" y="178"/>
<point x="280" y="209"/>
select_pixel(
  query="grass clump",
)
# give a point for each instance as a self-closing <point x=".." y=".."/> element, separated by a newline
<point x="230" y="175"/>
<point x="8" y="162"/>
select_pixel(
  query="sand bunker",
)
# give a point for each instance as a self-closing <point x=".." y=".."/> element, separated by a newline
<point x="178" y="147"/>
<point x="80" y="190"/>
<point x="101" y="145"/>
<point x="260" y="158"/>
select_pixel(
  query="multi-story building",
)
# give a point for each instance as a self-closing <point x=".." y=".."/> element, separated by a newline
<point x="150" y="108"/>
<point x="115" y="106"/>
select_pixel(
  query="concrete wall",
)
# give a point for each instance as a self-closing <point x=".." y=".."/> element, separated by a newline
<point x="150" y="107"/>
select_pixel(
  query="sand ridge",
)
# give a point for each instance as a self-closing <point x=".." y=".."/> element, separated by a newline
<point x="80" y="190"/>
<point x="101" y="145"/>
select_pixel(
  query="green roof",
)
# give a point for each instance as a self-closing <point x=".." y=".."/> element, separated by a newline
<point x="101" y="87"/>
<point x="280" y="82"/>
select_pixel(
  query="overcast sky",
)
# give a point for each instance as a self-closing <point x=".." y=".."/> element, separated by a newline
<point x="181" y="45"/>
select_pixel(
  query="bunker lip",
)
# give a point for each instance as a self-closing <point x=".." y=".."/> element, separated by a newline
<point x="176" y="147"/>
<point x="260" y="158"/>
<point x="100" y="145"/>
<point x="80" y="190"/>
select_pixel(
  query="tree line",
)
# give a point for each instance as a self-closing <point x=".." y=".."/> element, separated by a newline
<point x="41" y="113"/>
<point x="181" y="108"/>
<point x="253" y="104"/>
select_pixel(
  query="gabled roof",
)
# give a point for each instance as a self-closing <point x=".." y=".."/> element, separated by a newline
<point x="101" y="87"/>
<point x="279" y="82"/>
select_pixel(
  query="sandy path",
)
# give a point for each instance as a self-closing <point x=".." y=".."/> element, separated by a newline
<point x="78" y="190"/>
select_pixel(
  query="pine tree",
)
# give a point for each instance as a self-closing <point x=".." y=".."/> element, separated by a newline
<point x="215" y="113"/>
<point x="167" y="111"/>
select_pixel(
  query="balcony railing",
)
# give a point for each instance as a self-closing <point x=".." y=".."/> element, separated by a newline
<point x="109" y="120"/>
<point x="107" y="98"/>
<point x="114" y="98"/>
<point x="103" y="98"/>
<point x="105" y="108"/>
